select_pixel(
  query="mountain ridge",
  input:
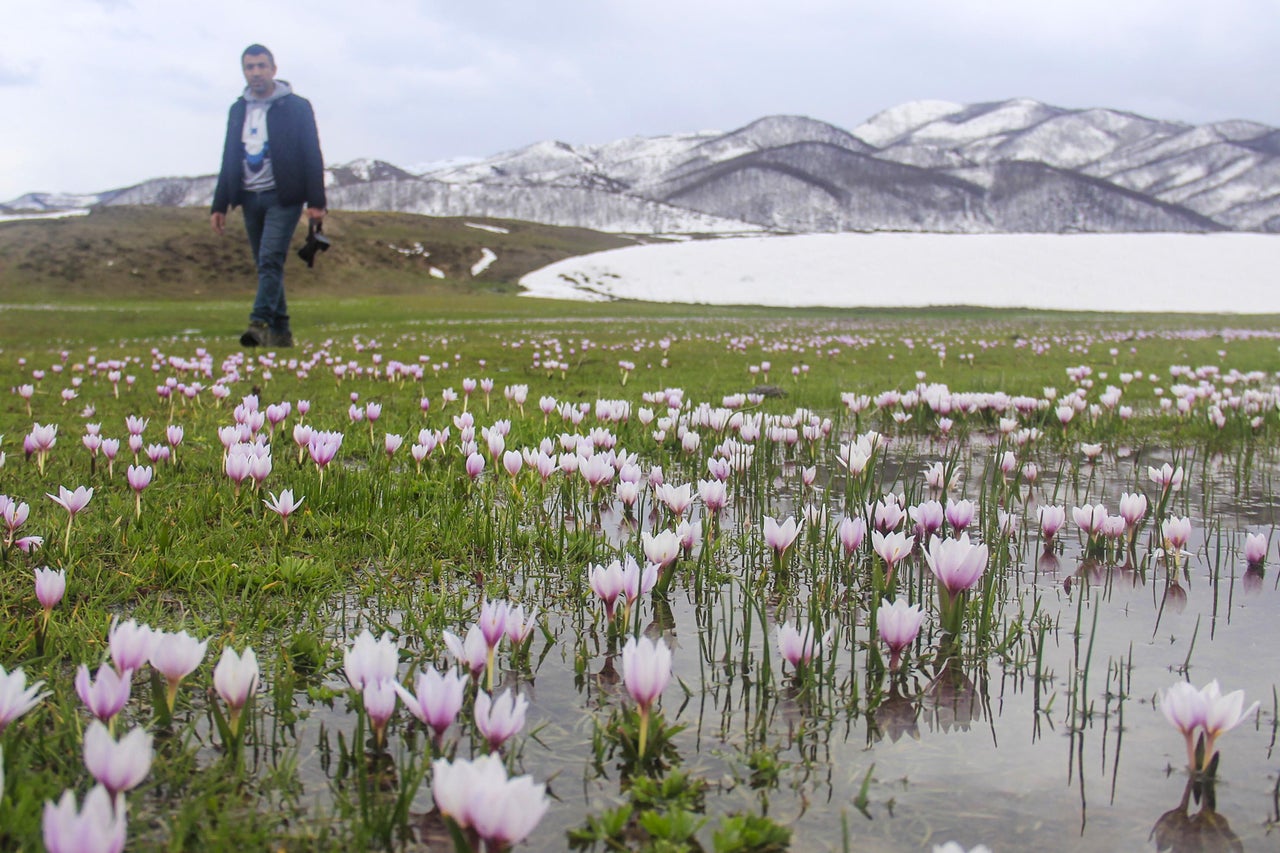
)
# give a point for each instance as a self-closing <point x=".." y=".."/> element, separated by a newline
<point x="1017" y="165"/>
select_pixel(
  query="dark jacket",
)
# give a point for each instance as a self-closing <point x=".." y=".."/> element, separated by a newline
<point x="295" y="155"/>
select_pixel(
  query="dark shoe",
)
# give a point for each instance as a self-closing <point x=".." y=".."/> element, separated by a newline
<point x="255" y="336"/>
<point x="280" y="339"/>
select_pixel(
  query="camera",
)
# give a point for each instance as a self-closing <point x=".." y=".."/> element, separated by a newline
<point x="316" y="243"/>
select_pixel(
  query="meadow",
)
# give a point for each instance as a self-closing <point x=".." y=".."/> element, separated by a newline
<point x="630" y="576"/>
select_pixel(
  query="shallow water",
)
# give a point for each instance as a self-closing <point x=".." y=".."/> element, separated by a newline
<point x="972" y="749"/>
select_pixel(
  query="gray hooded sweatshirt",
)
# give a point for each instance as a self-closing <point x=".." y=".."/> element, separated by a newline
<point x="258" y="175"/>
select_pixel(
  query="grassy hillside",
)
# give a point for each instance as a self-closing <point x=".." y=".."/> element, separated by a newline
<point x="131" y="252"/>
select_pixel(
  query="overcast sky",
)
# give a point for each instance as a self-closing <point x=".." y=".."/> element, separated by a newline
<point x="98" y="94"/>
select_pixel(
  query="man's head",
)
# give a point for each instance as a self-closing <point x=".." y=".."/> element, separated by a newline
<point x="259" y="68"/>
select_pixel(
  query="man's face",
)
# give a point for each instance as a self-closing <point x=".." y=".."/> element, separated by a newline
<point x="259" y="73"/>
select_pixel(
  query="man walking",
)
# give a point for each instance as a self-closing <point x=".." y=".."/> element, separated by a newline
<point x="271" y="166"/>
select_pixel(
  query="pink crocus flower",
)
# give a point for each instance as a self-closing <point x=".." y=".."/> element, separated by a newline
<point x="99" y="827"/>
<point x="477" y="795"/>
<point x="110" y="450"/>
<point x="1008" y="464"/>
<point x="851" y="531"/>
<point x="646" y="670"/>
<point x="662" y="548"/>
<point x="676" y="498"/>
<point x="14" y="514"/>
<point x="474" y="465"/>
<point x="50" y="587"/>
<point x="898" y="623"/>
<point x="928" y="517"/>
<point x="519" y="624"/>
<point x="960" y="514"/>
<point x="1177" y="532"/>
<point x="302" y="437"/>
<point x="1255" y="548"/>
<point x="237" y="464"/>
<point x="175" y="656"/>
<point x="472" y="653"/>
<point x="512" y="461"/>
<point x="1222" y="713"/>
<point x="1166" y="477"/>
<point x="16" y="698"/>
<point x="597" y="471"/>
<point x="1184" y="707"/>
<point x="437" y="698"/>
<point x="780" y="536"/>
<point x="493" y="627"/>
<point x="893" y="548"/>
<point x="276" y="414"/>
<point x="498" y="719"/>
<point x="628" y="493"/>
<point x="379" y="704"/>
<point x="42" y="438"/>
<point x="260" y="464"/>
<point x="606" y="582"/>
<point x="323" y="447"/>
<point x="713" y="494"/>
<point x="690" y="535"/>
<point x="957" y="564"/>
<point x="28" y="544"/>
<point x="1114" y="527"/>
<point x="131" y="645"/>
<point x="636" y="580"/>
<point x="284" y="506"/>
<point x="173" y="434"/>
<point x="235" y="679"/>
<point x="887" y="514"/>
<point x="104" y="696"/>
<point x="369" y="660"/>
<point x="1133" y="508"/>
<point x="139" y="477"/>
<point x="1052" y="519"/>
<point x="73" y="503"/>
<point x="121" y="765"/>
<point x="799" y="645"/>
<point x="1090" y="519"/>
<point x="391" y="443"/>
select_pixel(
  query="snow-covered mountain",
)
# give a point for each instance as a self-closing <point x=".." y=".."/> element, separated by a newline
<point x="1009" y="166"/>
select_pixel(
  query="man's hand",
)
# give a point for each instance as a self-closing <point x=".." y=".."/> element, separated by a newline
<point x="315" y="214"/>
<point x="219" y="223"/>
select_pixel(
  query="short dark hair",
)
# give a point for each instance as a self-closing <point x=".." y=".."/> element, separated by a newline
<point x="257" y="50"/>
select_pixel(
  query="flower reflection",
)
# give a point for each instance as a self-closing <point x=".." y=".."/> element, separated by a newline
<point x="1093" y="571"/>
<point x="1180" y="832"/>
<point x="1252" y="580"/>
<point x="608" y="678"/>
<point x="795" y="707"/>
<point x="952" y="699"/>
<point x="1048" y="563"/>
<point x="897" y="715"/>
<point x="1175" y="597"/>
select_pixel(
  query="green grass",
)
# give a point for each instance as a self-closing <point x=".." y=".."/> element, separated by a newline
<point x="382" y="545"/>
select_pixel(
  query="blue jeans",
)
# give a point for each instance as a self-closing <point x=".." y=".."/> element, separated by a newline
<point x="270" y="226"/>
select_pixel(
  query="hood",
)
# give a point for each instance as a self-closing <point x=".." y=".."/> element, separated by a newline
<point x="282" y="88"/>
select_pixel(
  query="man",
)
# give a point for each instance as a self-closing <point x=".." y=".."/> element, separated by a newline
<point x="271" y="167"/>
